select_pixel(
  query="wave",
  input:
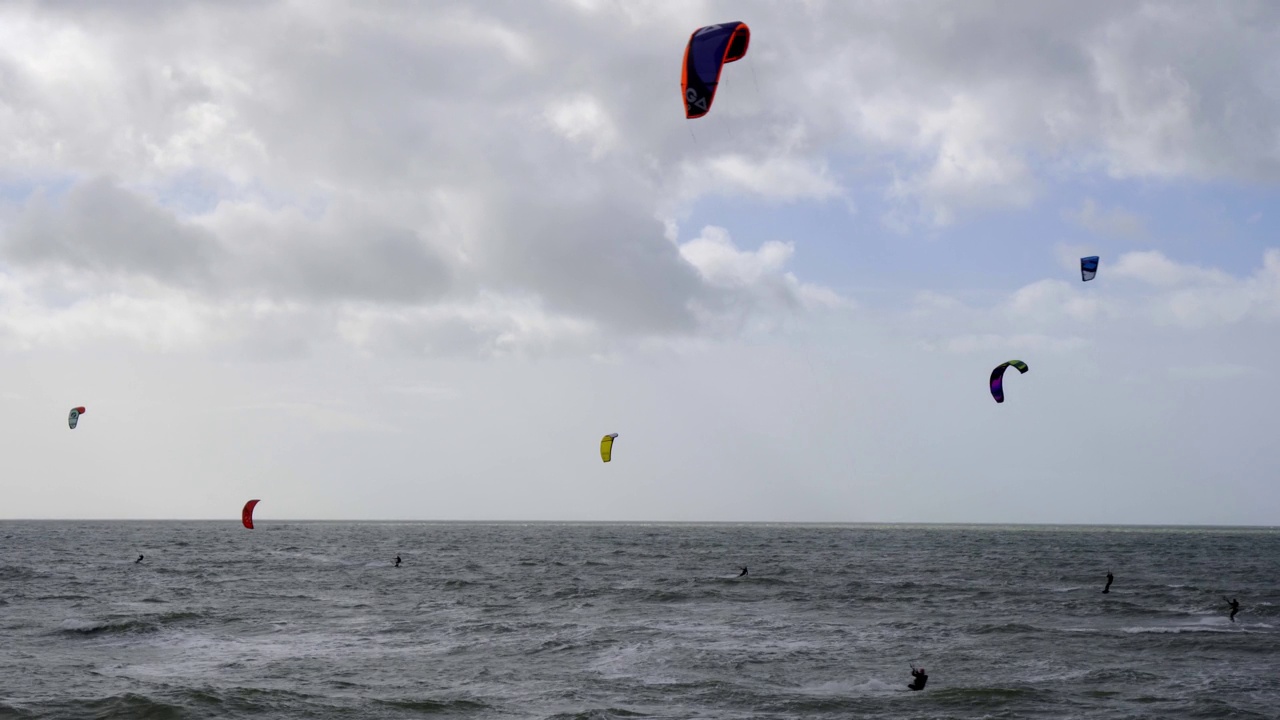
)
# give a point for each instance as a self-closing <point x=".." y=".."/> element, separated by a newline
<point x="1124" y="676"/>
<point x="435" y="706"/>
<point x="1175" y="629"/>
<point x="661" y="596"/>
<point x="850" y="687"/>
<point x="988" y="696"/>
<point x="125" y="626"/>
<point x="752" y="579"/>
<point x="16" y="572"/>
<point x="14" y="711"/>
<point x="106" y="627"/>
<point x="458" y="583"/>
<point x="597" y="714"/>
<point x="128" y="705"/>
<point x="1005" y="628"/>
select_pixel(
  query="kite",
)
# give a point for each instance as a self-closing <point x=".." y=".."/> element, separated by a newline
<point x="246" y="515"/>
<point x="1088" y="268"/>
<point x="73" y="418"/>
<point x="606" y="446"/>
<point x="997" y="378"/>
<point x="708" y="50"/>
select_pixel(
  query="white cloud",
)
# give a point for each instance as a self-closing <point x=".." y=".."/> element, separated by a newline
<point x="970" y="344"/>
<point x="1115" y="222"/>
<point x="584" y="119"/>
<point x="268" y="206"/>
<point x="758" y="279"/>
<point x="1054" y="298"/>
<point x="780" y="178"/>
<point x="1154" y="268"/>
<point x="721" y="263"/>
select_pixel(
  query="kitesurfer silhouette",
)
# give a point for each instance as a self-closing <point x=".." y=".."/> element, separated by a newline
<point x="1235" y="607"/>
<point x="1110" y="577"/>
<point x="744" y="572"/>
<point x="135" y="562"/>
<point x="397" y="561"/>
<point x="918" y="678"/>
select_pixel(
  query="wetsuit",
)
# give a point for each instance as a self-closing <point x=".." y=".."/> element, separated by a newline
<point x="1110" y="577"/>
<point x="744" y="572"/>
<point x="135" y="562"/>
<point x="397" y="561"/>
<point x="1235" y="608"/>
<point x="919" y="679"/>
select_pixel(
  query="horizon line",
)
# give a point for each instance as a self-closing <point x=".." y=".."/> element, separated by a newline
<point x="952" y="523"/>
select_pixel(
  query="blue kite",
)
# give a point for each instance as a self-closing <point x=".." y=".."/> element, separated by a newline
<point x="1088" y="268"/>
<point x="708" y="50"/>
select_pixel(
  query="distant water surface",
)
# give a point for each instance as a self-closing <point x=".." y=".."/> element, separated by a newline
<point x="511" y="620"/>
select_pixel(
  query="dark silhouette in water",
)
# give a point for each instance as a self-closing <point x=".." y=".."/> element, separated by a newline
<point x="1110" y="577"/>
<point x="1235" y="607"/>
<point x="918" y="678"/>
<point x="744" y="572"/>
<point x="397" y="561"/>
<point x="135" y="562"/>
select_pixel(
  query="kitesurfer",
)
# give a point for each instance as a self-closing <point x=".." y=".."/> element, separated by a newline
<point x="397" y="561"/>
<point x="918" y="678"/>
<point x="1235" y="607"/>
<point x="135" y="562"/>
<point x="1110" y="577"/>
<point x="743" y="573"/>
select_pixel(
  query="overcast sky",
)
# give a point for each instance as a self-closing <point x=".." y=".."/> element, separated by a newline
<point x="411" y="261"/>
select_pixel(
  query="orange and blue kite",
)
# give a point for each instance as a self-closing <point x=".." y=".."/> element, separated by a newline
<point x="708" y="50"/>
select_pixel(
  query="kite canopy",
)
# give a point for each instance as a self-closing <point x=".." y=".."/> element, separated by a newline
<point x="606" y="446"/>
<point x="708" y="50"/>
<point x="73" y="418"/>
<point x="1088" y="267"/>
<point x="246" y="515"/>
<point x="997" y="377"/>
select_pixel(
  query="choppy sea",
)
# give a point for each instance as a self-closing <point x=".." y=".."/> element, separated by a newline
<point x="512" y="620"/>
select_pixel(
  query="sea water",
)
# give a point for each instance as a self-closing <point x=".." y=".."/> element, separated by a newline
<point x="546" y="620"/>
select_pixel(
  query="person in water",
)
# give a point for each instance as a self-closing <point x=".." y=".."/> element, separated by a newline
<point x="397" y="561"/>
<point x="918" y="678"/>
<point x="1235" y="607"/>
<point x="135" y="562"/>
<point x="743" y="573"/>
<point x="1110" y="577"/>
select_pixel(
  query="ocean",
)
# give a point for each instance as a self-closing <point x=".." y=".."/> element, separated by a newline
<point x="567" y="620"/>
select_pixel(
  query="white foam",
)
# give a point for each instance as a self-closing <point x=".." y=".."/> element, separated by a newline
<point x="79" y="625"/>
<point x="635" y="662"/>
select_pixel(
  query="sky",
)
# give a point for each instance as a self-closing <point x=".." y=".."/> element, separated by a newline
<point x="412" y="261"/>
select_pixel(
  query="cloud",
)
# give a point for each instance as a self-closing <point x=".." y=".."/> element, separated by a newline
<point x="1168" y="293"/>
<point x="720" y="263"/>
<point x="416" y="166"/>
<point x="1222" y="371"/>
<point x="1054" y="298"/>
<point x="970" y="344"/>
<point x="785" y="179"/>
<point x="1110" y="223"/>
<point x="583" y="119"/>
<point x="100" y="227"/>
<point x="755" y="283"/>
<point x="341" y="254"/>
<point x="1154" y="268"/>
